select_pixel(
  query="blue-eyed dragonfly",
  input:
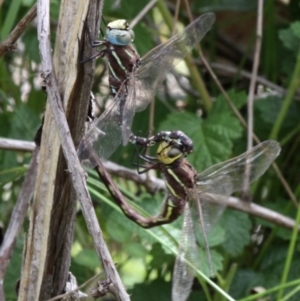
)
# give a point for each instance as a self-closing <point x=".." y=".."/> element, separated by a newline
<point x="200" y="197"/>
<point x="134" y="82"/>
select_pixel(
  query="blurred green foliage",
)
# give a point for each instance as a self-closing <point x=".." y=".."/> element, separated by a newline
<point x="145" y="258"/>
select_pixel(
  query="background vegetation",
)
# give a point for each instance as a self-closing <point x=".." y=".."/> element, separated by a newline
<point x="145" y="259"/>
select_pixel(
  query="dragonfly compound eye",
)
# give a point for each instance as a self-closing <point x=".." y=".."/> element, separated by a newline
<point x="119" y="33"/>
<point x="175" y="152"/>
<point x="168" y="153"/>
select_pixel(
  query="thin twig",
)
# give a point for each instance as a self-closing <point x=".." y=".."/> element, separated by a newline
<point x="142" y="13"/>
<point x="10" y="41"/>
<point x="17" y="145"/>
<point x="77" y="289"/>
<point x="251" y="94"/>
<point x="260" y="79"/>
<point x="254" y="73"/>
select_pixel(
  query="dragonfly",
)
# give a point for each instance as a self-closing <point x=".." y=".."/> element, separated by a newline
<point x="200" y="197"/>
<point x="134" y="81"/>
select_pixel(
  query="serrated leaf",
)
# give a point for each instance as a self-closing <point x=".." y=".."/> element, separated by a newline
<point x="238" y="226"/>
<point x="243" y="282"/>
<point x="216" y="259"/>
<point x="269" y="107"/>
<point x="214" y="237"/>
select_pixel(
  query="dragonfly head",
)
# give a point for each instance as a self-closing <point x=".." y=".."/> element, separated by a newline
<point x="119" y="33"/>
<point x="169" y="152"/>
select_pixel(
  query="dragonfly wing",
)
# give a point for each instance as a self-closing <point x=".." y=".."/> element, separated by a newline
<point x="129" y="111"/>
<point x="252" y="163"/>
<point x="157" y="62"/>
<point x="217" y="183"/>
<point x="104" y="136"/>
<point x="183" y="274"/>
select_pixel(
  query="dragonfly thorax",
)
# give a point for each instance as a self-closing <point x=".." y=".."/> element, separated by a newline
<point x="119" y="33"/>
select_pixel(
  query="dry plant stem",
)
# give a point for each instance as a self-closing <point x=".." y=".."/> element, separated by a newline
<point x="176" y="17"/>
<point x="77" y="174"/>
<point x="34" y="267"/>
<point x="8" y="44"/>
<point x="142" y="13"/>
<point x="254" y="74"/>
<point x="252" y="92"/>
<point x="260" y="80"/>
<point x="17" y="217"/>
<point x="77" y="289"/>
<point x="17" y="145"/>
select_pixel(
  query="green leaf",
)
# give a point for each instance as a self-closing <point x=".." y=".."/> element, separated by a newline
<point x="291" y="37"/>
<point x="10" y="18"/>
<point x="155" y="290"/>
<point x="119" y="227"/>
<point x="136" y="250"/>
<point x="214" y="237"/>
<point x="159" y="257"/>
<point x="269" y="107"/>
<point x="13" y="271"/>
<point x="238" y="226"/>
<point x="216" y="259"/>
<point x="243" y="282"/>
<point x="87" y="258"/>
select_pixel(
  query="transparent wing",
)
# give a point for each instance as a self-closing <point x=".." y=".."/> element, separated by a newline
<point x="129" y="111"/>
<point x="213" y="187"/>
<point x="104" y="136"/>
<point x="112" y="127"/>
<point x="217" y="183"/>
<point x="183" y="274"/>
<point x="157" y="62"/>
<point x="257" y="160"/>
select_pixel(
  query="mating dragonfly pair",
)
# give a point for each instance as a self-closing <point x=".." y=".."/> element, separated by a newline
<point x="201" y="197"/>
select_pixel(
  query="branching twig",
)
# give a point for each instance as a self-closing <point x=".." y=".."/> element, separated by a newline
<point x="9" y="43"/>
<point x="77" y="289"/>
